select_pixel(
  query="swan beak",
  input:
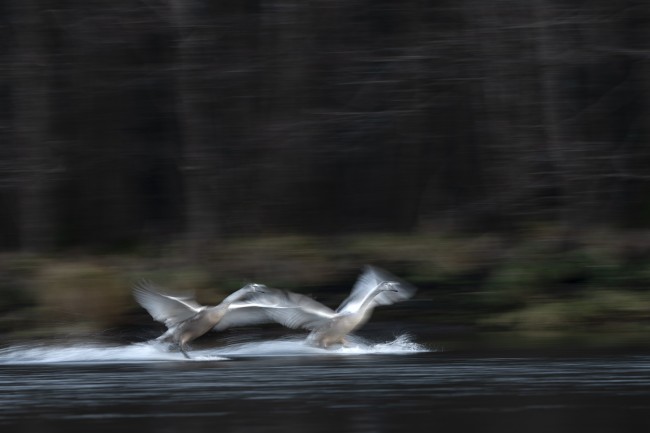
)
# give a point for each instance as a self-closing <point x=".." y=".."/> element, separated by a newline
<point x="390" y="286"/>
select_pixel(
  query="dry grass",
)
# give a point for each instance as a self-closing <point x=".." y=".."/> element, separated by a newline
<point x="86" y="295"/>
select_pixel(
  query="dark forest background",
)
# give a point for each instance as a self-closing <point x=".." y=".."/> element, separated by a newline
<point x="144" y="121"/>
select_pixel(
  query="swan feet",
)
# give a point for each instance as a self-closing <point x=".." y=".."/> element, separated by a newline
<point x="183" y="350"/>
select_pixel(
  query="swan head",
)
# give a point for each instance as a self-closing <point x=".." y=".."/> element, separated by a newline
<point x="389" y="286"/>
<point x="255" y="288"/>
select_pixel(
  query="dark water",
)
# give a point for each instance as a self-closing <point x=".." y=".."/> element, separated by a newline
<point x="283" y="386"/>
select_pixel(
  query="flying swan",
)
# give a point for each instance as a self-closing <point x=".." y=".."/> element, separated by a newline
<point x="187" y="320"/>
<point x="329" y="328"/>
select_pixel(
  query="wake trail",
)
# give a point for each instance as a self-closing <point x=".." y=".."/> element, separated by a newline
<point x="155" y="352"/>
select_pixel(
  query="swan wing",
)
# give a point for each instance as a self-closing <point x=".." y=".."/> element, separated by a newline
<point x="242" y="314"/>
<point x="167" y="309"/>
<point x="363" y="287"/>
<point x="243" y="293"/>
<point x="293" y="310"/>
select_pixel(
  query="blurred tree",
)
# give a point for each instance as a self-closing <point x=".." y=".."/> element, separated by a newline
<point x="32" y="140"/>
<point x="195" y="51"/>
<point x="155" y="120"/>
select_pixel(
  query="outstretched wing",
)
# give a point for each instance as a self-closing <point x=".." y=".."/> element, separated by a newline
<point x="292" y="310"/>
<point x="167" y="309"/>
<point x="242" y="314"/>
<point x="366" y="285"/>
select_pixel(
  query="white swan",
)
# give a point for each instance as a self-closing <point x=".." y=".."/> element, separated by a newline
<point x="329" y="328"/>
<point x="186" y="320"/>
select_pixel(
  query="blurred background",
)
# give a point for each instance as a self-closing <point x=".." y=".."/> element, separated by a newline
<point x="496" y="154"/>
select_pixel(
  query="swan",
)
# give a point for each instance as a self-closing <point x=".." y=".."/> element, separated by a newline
<point x="329" y="328"/>
<point x="187" y="320"/>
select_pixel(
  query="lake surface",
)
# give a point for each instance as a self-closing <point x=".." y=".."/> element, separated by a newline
<point x="282" y="385"/>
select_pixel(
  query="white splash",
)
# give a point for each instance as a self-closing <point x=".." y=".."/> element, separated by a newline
<point x="154" y="352"/>
<point x="401" y="345"/>
<point x="297" y="346"/>
<point x="86" y="353"/>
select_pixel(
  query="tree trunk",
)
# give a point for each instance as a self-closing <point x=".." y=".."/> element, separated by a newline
<point x="199" y="164"/>
<point x="31" y="124"/>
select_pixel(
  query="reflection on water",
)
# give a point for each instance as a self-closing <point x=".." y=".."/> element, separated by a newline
<point x="285" y="386"/>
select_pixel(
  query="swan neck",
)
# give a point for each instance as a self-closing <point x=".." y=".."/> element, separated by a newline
<point x="215" y="313"/>
<point x="371" y="296"/>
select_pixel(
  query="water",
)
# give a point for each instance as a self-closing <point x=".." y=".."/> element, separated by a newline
<point x="282" y="385"/>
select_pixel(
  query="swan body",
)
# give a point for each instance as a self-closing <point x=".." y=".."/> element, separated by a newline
<point x="329" y="328"/>
<point x="187" y="320"/>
